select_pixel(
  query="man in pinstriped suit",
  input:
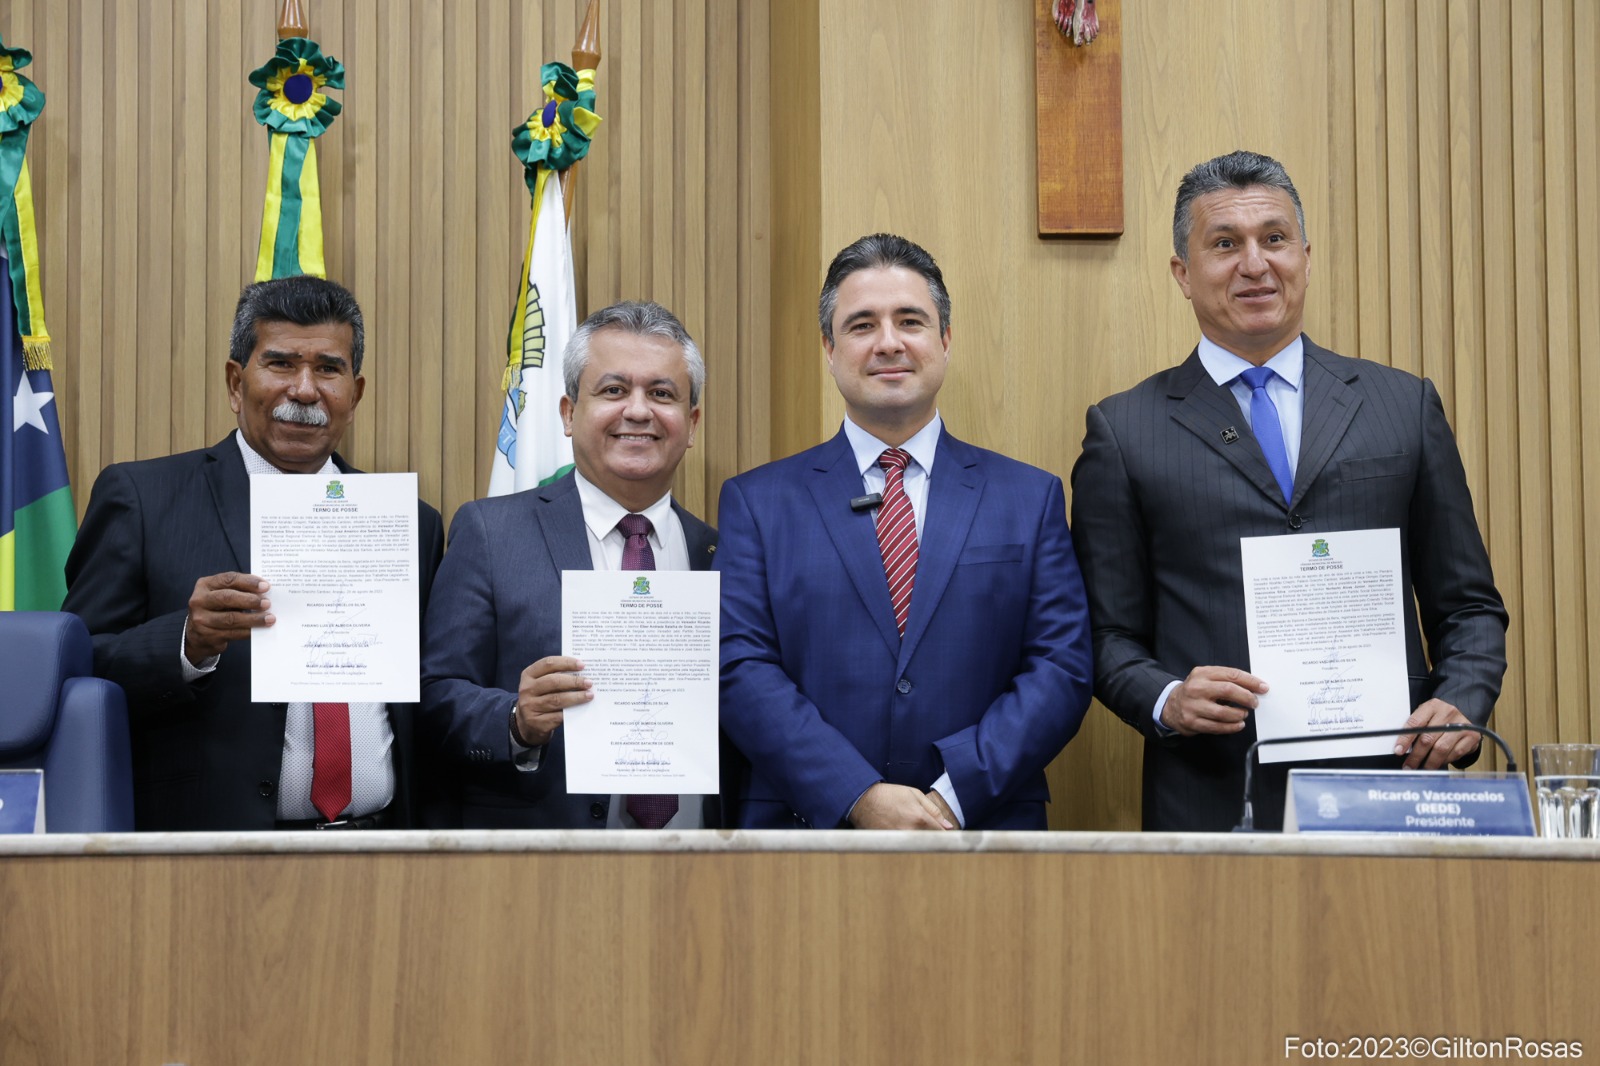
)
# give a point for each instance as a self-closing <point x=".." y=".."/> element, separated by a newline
<point x="1177" y="469"/>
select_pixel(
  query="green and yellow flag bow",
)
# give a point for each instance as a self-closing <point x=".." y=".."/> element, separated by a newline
<point x="296" y="111"/>
<point x="20" y="103"/>
<point x="552" y="139"/>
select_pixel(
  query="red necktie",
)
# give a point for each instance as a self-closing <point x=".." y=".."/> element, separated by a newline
<point x="330" y="760"/>
<point x="897" y="534"/>
<point x="649" y="812"/>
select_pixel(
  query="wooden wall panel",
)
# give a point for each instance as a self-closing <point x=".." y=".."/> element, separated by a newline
<point x="753" y="311"/>
<point x="1471" y="226"/>
<point x="797" y="256"/>
<point x="1563" y="412"/>
<point x="1372" y="233"/>
<point x="150" y="171"/>
<point x="1584" y="437"/>
<point x="1468" y="402"/>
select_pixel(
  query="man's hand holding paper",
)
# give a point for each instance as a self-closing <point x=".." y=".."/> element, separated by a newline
<point x="1435" y="751"/>
<point x="548" y="688"/>
<point x="224" y="608"/>
<point x="1212" y="699"/>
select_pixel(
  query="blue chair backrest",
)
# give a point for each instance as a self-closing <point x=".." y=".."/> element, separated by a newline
<point x="56" y="716"/>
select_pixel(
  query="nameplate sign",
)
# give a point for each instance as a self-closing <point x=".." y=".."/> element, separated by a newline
<point x="21" y="801"/>
<point x="1427" y="803"/>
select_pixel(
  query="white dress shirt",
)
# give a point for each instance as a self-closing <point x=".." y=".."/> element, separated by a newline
<point x="1288" y="368"/>
<point x="371" y="738"/>
<point x="919" y="472"/>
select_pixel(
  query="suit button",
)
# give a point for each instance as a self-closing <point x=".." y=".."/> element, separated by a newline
<point x="597" y="810"/>
<point x="904" y="687"/>
<point x="1295" y="521"/>
<point x="267" y="788"/>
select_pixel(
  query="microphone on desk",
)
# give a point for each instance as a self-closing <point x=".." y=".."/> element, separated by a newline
<point x="1247" y="824"/>
<point x="867" y="502"/>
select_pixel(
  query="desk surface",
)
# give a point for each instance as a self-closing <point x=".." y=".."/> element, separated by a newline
<point x="724" y="841"/>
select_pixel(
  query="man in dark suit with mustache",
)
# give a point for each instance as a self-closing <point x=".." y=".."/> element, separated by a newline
<point x="161" y="575"/>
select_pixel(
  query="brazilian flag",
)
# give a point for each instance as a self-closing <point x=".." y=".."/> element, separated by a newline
<point x="37" y="520"/>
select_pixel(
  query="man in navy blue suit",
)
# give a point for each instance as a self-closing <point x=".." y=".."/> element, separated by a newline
<point x="905" y="642"/>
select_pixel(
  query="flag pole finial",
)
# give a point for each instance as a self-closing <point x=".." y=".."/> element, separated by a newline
<point x="292" y="20"/>
<point x="586" y="51"/>
<point x="585" y="56"/>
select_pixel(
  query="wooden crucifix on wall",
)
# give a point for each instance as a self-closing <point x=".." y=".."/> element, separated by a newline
<point x="1078" y="111"/>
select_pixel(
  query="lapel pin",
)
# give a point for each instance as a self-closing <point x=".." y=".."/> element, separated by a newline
<point x="1230" y="435"/>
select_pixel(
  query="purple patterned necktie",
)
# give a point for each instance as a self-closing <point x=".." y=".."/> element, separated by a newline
<point x="649" y="812"/>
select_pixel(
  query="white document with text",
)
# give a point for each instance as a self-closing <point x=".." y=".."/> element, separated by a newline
<point x="648" y="641"/>
<point x="341" y="555"/>
<point x="1326" y="628"/>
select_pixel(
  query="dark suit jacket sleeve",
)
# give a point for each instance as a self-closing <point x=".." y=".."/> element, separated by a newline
<point x="809" y="762"/>
<point x="430" y="551"/>
<point x="1110" y="538"/>
<point x="466" y="711"/>
<point x="1041" y="709"/>
<point x="1461" y="613"/>
<point x="105" y="587"/>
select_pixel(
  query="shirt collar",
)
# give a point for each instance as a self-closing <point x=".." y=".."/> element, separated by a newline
<point x="1223" y="366"/>
<point x="922" y="446"/>
<point x="601" y="513"/>
<point x="255" y="465"/>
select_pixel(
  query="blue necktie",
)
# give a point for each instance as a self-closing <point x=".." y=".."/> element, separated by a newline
<point x="1268" y="431"/>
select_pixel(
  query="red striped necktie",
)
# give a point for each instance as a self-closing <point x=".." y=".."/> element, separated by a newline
<point x="897" y="534"/>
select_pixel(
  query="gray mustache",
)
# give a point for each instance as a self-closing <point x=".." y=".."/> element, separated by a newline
<point x="305" y="414"/>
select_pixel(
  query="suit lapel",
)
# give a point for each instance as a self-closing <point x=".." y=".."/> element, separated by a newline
<point x="559" y="512"/>
<point x="230" y="495"/>
<point x="1210" y="412"/>
<point x="953" y="494"/>
<point x="1330" y="407"/>
<point x="700" y="538"/>
<point x="833" y="482"/>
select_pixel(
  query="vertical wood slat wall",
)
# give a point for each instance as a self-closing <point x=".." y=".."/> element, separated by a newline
<point x="150" y="171"/>
<point x="1473" y="197"/>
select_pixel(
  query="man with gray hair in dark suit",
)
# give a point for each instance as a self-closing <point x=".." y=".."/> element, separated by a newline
<point x="1261" y="432"/>
<point x="495" y="684"/>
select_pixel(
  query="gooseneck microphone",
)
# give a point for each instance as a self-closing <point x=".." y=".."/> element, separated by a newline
<point x="1247" y="824"/>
